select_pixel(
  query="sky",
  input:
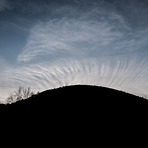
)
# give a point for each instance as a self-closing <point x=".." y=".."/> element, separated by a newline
<point x="47" y="44"/>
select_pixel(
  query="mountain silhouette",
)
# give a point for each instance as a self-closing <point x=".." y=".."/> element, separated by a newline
<point x="79" y="111"/>
<point x="77" y="98"/>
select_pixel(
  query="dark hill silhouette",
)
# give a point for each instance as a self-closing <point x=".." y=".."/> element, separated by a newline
<point x="78" y="98"/>
<point x="79" y="112"/>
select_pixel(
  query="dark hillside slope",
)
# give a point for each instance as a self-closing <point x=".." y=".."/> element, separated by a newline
<point x="78" y="98"/>
<point x="77" y="111"/>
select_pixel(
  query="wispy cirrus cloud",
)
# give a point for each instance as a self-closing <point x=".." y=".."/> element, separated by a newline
<point x="124" y="73"/>
<point x="69" y="37"/>
<point x="77" y="38"/>
<point x="81" y="42"/>
<point x="104" y="52"/>
<point x="75" y="32"/>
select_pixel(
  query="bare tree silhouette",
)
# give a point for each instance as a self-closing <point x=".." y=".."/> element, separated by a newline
<point x="20" y="94"/>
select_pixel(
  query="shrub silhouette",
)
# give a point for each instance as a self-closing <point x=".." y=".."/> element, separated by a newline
<point x="20" y="94"/>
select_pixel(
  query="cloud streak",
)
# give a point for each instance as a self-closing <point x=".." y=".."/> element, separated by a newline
<point x="68" y="36"/>
<point x="82" y="44"/>
<point x="127" y="74"/>
<point x="78" y="37"/>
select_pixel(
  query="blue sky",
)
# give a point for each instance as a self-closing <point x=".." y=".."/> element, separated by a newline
<point x="46" y="44"/>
